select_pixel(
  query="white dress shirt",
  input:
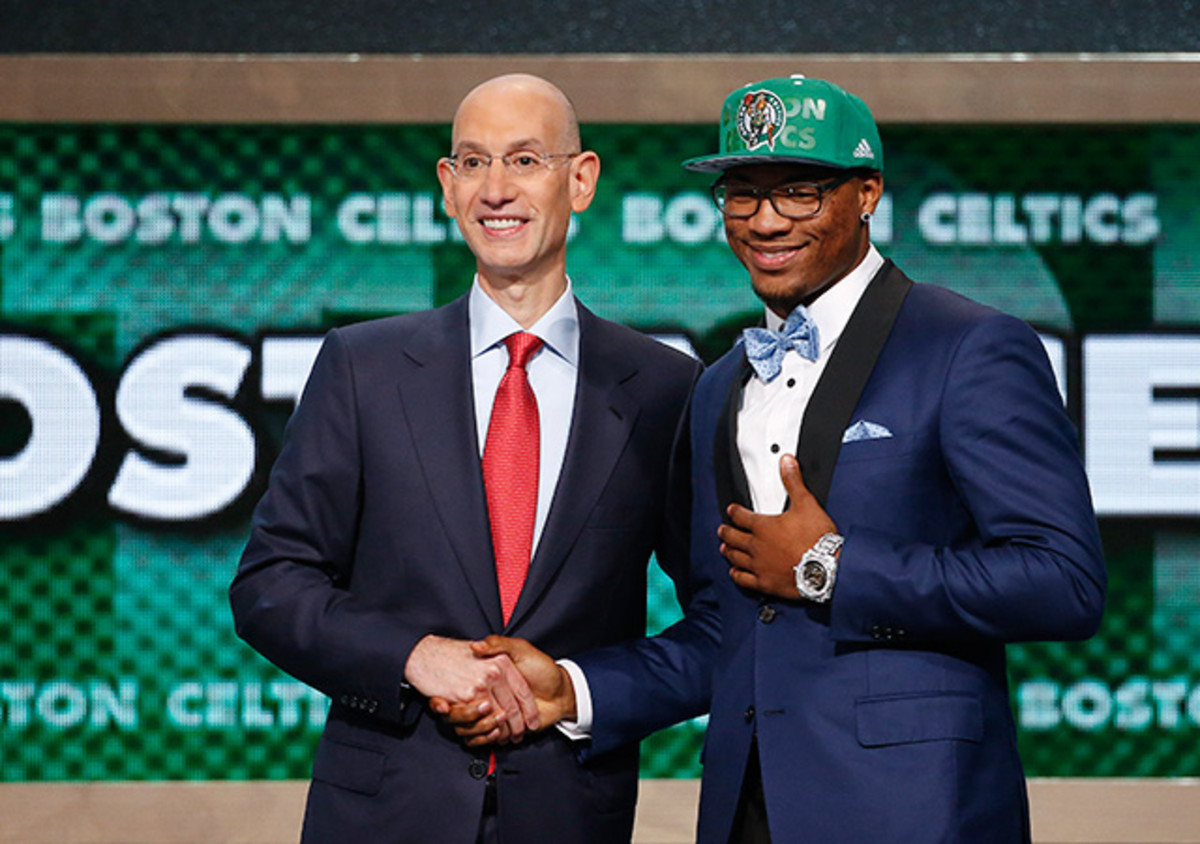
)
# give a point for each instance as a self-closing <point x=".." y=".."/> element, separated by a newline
<point x="553" y="372"/>
<point x="769" y="420"/>
<point x="770" y="415"/>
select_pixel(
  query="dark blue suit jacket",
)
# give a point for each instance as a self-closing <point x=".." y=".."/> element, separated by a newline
<point x="883" y="715"/>
<point x="374" y="532"/>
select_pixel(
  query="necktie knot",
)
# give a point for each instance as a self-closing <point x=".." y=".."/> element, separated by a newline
<point x="521" y="347"/>
<point x="765" y="348"/>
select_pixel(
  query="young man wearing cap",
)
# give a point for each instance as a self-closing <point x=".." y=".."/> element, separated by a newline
<point x="860" y="594"/>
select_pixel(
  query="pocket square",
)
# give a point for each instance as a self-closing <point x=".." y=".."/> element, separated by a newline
<point x="864" y="430"/>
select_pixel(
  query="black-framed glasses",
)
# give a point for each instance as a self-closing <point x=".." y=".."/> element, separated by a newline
<point x="521" y="163"/>
<point x="794" y="200"/>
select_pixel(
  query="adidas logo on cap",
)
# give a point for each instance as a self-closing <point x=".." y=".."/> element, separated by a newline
<point x="863" y="150"/>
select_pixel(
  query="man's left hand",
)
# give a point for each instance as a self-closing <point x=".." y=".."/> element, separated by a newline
<point x="764" y="550"/>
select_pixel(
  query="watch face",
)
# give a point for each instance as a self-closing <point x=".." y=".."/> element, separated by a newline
<point x="815" y="576"/>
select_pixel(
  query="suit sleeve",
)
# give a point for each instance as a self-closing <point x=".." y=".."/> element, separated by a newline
<point x="289" y="597"/>
<point x="1034" y="569"/>
<point x="649" y="684"/>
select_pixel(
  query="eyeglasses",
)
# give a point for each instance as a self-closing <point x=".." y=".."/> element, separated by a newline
<point x="796" y="201"/>
<point x="522" y="163"/>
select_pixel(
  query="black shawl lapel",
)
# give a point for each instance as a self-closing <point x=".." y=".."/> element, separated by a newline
<point x="730" y="473"/>
<point x="842" y="382"/>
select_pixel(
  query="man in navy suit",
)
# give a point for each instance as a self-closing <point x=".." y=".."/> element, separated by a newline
<point x="387" y="540"/>
<point x="886" y="491"/>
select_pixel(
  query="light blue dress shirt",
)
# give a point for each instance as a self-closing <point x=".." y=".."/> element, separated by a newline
<point x="553" y="372"/>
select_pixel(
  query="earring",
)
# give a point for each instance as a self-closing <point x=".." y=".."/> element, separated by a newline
<point x="865" y="216"/>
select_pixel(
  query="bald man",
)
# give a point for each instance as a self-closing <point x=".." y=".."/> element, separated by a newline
<point x="503" y="464"/>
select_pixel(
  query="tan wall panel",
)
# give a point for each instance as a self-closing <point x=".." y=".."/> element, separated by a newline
<point x="141" y="813"/>
<point x="1065" y="811"/>
<point x="1109" y="811"/>
<point x="607" y="88"/>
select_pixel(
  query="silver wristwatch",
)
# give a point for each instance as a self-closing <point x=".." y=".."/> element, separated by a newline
<point x="817" y="569"/>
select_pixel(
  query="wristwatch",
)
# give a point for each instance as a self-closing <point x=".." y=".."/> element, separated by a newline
<point x="817" y="569"/>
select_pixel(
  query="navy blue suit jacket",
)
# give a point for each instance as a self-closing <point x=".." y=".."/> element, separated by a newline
<point x="884" y="715"/>
<point x="374" y="532"/>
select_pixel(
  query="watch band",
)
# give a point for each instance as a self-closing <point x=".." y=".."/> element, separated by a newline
<point x="829" y="544"/>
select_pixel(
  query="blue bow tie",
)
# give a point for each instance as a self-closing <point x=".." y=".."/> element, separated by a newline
<point x="765" y="348"/>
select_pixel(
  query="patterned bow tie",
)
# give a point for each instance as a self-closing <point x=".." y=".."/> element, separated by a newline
<point x="765" y="348"/>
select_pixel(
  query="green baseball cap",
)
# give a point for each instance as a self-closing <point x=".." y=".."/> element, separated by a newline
<point x="794" y="119"/>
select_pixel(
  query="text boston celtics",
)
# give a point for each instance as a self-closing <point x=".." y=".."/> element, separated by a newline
<point x="688" y="217"/>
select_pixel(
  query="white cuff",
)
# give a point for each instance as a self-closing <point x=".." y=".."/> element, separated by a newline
<point x="581" y="727"/>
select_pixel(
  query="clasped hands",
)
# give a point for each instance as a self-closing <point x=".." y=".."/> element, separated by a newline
<point x="501" y="689"/>
<point x="507" y="687"/>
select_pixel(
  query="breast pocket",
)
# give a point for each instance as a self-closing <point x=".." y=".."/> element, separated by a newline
<point x="878" y="449"/>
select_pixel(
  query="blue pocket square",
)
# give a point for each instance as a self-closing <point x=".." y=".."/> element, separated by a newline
<point x="864" y="430"/>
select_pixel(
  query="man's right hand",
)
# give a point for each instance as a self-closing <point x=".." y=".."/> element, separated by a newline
<point x="549" y="683"/>
<point x="452" y="673"/>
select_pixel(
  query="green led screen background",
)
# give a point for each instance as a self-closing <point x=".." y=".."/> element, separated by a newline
<point x="135" y="253"/>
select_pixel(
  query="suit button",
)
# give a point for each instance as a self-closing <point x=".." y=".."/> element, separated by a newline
<point x="766" y="614"/>
<point x="478" y="768"/>
<point x="748" y="714"/>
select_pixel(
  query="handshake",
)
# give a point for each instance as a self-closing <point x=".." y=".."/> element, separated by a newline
<point x="492" y="691"/>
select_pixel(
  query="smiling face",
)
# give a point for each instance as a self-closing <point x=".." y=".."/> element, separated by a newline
<point x="791" y="262"/>
<point x="516" y="226"/>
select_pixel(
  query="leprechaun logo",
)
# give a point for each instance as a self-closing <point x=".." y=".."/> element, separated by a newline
<point x="760" y="118"/>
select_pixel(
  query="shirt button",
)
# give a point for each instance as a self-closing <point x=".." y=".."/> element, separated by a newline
<point x="478" y="768"/>
<point x="748" y="714"/>
<point x="791" y="382"/>
<point x="774" y="448"/>
<point x="766" y="614"/>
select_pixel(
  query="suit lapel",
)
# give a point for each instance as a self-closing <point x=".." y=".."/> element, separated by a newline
<point x="601" y="423"/>
<point x="436" y="393"/>
<point x="728" y="469"/>
<point x="842" y="382"/>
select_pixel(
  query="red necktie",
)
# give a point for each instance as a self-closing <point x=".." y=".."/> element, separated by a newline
<point x="510" y="470"/>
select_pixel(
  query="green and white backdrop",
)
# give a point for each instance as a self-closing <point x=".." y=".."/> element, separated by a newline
<point x="163" y="289"/>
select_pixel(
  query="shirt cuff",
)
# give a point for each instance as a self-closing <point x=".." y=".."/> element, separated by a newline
<point x="581" y="727"/>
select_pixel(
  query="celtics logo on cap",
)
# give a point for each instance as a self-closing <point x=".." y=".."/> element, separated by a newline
<point x="760" y="118"/>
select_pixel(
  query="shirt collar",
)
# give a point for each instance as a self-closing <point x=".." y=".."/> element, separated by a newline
<point x="833" y="308"/>
<point x="558" y="328"/>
